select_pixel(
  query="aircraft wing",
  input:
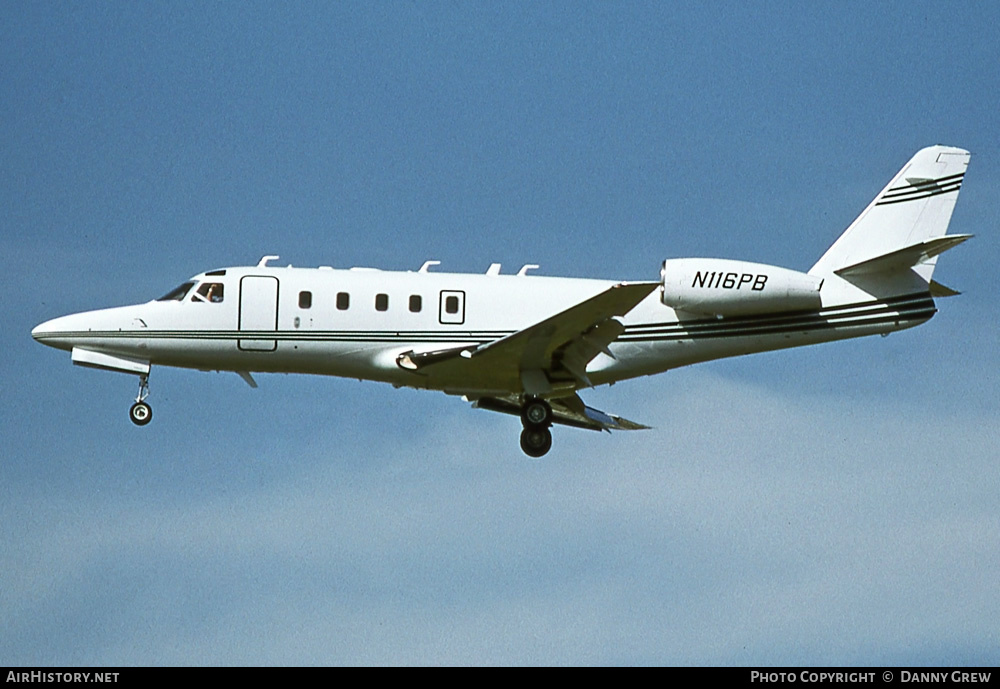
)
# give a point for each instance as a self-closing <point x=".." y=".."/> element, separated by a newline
<point x="550" y="355"/>
<point x="569" y="411"/>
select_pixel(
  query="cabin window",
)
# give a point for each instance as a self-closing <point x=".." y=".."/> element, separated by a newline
<point x="343" y="301"/>
<point x="451" y="304"/>
<point x="177" y="293"/>
<point x="381" y="302"/>
<point x="208" y="292"/>
<point x="416" y="303"/>
<point x="305" y="300"/>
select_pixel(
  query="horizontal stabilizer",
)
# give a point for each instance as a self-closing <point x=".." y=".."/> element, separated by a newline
<point x="906" y="257"/>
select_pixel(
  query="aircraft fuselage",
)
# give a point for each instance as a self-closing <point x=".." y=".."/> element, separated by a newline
<point x="357" y="323"/>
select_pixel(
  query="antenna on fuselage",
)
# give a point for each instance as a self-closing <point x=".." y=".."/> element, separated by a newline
<point x="526" y="267"/>
<point x="265" y="259"/>
<point x="494" y="269"/>
<point x="426" y="267"/>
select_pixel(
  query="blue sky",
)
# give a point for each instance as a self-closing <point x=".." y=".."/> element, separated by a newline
<point x="830" y="505"/>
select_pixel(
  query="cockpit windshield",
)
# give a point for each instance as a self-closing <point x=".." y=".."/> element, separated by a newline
<point x="177" y="293"/>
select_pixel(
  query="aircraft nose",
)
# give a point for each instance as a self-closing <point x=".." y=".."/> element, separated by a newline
<point x="40" y="331"/>
<point x="84" y="329"/>
<point x="50" y="332"/>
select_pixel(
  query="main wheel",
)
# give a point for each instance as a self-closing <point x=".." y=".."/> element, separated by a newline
<point x="536" y="412"/>
<point x="536" y="441"/>
<point x="140" y="413"/>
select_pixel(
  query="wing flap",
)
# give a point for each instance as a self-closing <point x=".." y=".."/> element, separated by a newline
<point x="567" y="411"/>
<point x="575" y="355"/>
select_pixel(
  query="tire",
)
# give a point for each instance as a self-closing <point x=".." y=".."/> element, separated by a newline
<point x="140" y="413"/>
<point x="536" y="413"/>
<point x="536" y="442"/>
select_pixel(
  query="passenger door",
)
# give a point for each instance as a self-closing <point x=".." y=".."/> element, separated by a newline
<point x="258" y="313"/>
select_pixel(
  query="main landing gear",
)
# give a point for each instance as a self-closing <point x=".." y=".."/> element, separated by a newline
<point x="141" y="413"/>
<point x="536" y="416"/>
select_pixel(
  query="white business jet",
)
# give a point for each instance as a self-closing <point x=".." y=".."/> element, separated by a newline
<point x="525" y="344"/>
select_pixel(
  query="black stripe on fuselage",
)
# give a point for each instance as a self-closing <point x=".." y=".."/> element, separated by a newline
<point x="918" y="307"/>
<point x="914" y="307"/>
<point x="816" y="324"/>
<point x="291" y="335"/>
<point x="903" y="302"/>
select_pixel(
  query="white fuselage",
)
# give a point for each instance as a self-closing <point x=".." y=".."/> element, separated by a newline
<point x="298" y="320"/>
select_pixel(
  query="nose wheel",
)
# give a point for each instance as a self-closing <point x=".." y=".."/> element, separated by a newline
<point x="536" y="416"/>
<point x="141" y="413"/>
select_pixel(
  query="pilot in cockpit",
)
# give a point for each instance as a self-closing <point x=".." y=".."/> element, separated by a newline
<point x="209" y="292"/>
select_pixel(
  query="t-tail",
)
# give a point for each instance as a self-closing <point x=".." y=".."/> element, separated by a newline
<point x="892" y="248"/>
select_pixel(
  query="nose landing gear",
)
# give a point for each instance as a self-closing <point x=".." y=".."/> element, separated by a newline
<point x="536" y="416"/>
<point x="141" y="413"/>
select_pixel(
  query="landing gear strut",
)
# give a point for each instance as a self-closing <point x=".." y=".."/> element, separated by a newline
<point x="536" y="416"/>
<point x="141" y="413"/>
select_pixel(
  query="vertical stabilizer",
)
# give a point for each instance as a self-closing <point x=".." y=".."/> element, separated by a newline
<point x="915" y="207"/>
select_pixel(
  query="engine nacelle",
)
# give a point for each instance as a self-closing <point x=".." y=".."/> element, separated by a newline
<point x="717" y="286"/>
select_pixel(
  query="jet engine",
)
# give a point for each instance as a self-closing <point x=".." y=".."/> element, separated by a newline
<point x="721" y="287"/>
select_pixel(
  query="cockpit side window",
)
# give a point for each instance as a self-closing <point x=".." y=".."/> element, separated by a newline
<point x="210" y="292"/>
<point x="177" y="293"/>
